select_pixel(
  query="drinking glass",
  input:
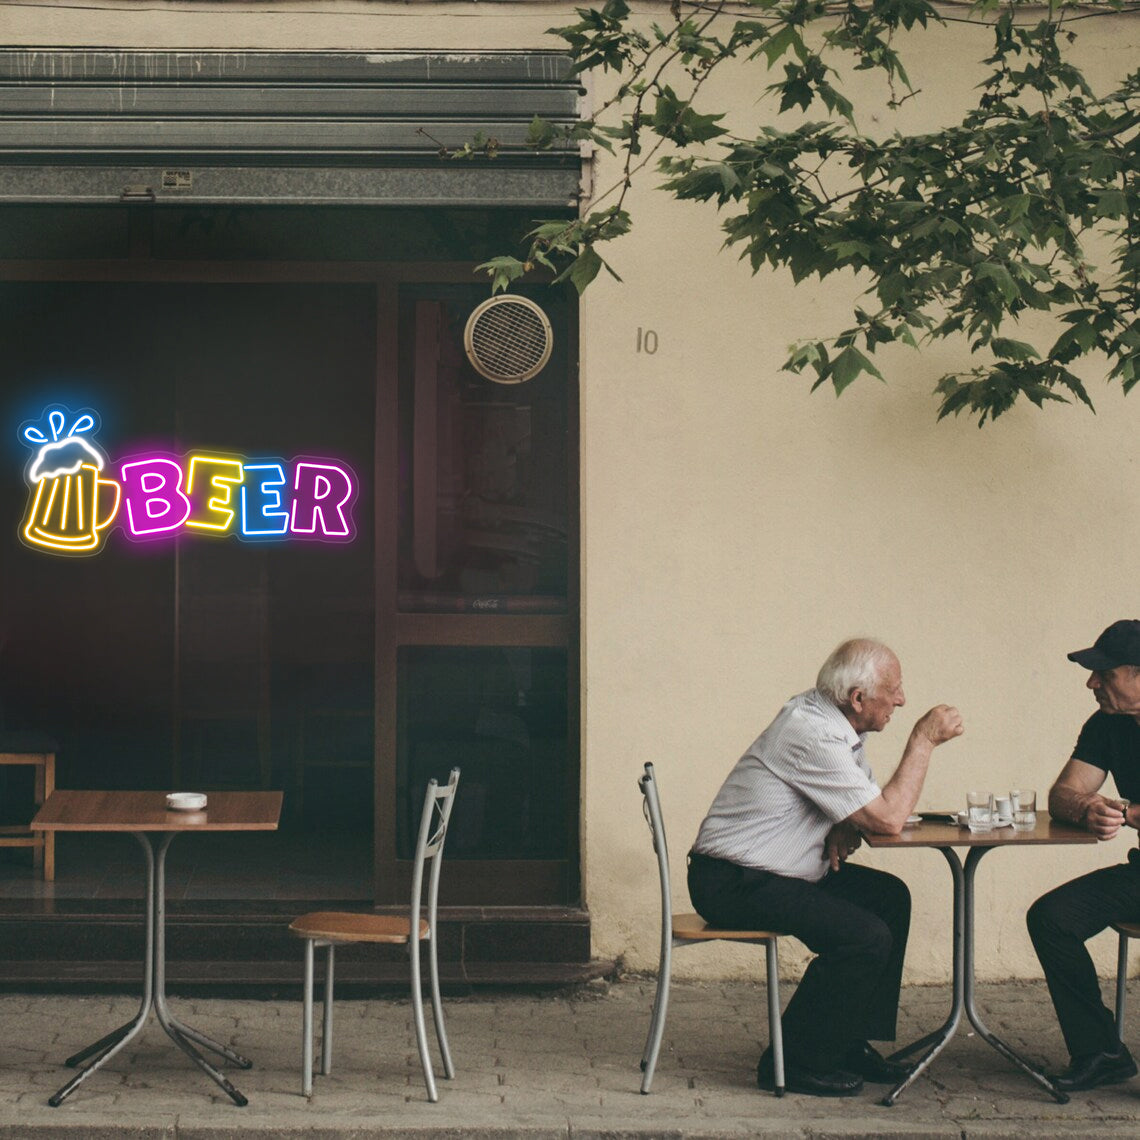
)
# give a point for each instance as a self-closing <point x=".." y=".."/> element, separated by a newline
<point x="1024" y="809"/>
<point x="980" y="811"/>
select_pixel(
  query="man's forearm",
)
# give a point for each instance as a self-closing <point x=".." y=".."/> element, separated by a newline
<point x="901" y="791"/>
<point x="1069" y="805"/>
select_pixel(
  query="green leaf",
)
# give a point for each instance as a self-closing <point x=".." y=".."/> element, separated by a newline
<point x="584" y="268"/>
<point x="1013" y="349"/>
<point x="502" y="271"/>
<point x="540" y="134"/>
<point x="848" y="366"/>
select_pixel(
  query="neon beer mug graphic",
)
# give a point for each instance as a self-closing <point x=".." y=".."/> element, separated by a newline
<point x="70" y="506"/>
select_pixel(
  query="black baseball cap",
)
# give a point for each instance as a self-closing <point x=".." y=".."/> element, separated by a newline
<point x="1118" y="645"/>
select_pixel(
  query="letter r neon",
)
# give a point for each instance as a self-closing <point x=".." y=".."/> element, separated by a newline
<point x="321" y="493"/>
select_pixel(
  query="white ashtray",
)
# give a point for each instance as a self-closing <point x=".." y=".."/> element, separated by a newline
<point x="963" y="819"/>
<point x="186" y="801"/>
<point x="912" y="820"/>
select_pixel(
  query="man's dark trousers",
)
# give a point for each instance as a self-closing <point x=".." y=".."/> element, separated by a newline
<point x="1059" y="923"/>
<point x="855" y="920"/>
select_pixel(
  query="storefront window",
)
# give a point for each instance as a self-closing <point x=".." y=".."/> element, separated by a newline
<point x="500" y="716"/>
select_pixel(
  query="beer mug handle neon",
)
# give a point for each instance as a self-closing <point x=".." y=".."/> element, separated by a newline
<point x="99" y="485"/>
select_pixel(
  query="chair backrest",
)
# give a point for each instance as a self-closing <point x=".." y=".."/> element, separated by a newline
<point x="438" y="802"/>
<point x="651" y="808"/>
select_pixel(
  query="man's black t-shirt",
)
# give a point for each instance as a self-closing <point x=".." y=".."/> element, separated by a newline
<point x="1111" y="741"/>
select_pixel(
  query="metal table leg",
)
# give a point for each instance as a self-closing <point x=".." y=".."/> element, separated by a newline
<point x="973" y="858"/>
<point x="181" y="1034"/>
<point x="935" y="1042"/>
<point x="106" y="1047"/>
<point x="963" y="986"/>
<point x="154" y="992"/>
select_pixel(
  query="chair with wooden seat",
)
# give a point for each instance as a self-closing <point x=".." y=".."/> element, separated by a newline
<point x="1125" y="930"/>
<point x="336" y="928"/>
<point x="692" y="930"/>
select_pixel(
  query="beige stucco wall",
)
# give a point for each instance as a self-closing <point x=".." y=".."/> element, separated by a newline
<point x="735" y="527"/>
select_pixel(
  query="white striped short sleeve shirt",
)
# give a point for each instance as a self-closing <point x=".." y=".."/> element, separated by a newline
<point x="804" y="773"/>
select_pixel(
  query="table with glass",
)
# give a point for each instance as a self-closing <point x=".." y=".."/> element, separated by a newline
<point x="937" y="831"/>
<point x="146" y="816"/>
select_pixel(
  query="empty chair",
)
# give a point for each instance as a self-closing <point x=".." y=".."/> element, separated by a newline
<point x="692" y="930"/>
<point x="333" y="928"/>
<point x="1126" y="930"/>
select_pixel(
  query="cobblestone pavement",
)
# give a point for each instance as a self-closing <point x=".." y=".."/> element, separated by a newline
<point x="553" y="1064"/>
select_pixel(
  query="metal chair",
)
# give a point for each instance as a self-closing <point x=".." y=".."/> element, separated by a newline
<point x="1126" y="930"/>
<point x="692" y="930"/>
<point x="332" y="928"/>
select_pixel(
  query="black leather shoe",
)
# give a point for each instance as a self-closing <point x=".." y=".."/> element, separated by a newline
<point x="1091" y="1070"/>
<point x="809" y="1082"/>
<point x="872" y="1066"/>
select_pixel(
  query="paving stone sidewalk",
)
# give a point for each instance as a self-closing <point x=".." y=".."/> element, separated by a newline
<point x="551" y="1065"/>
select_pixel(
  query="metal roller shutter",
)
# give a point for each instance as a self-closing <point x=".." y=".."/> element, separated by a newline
<point x="321" y="128"/>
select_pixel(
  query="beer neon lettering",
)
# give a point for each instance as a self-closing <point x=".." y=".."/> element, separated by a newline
<point x="321" y="491"/>
<point x="261" y="514"/>
<point x="154" y="500"/>
<point x="208" y="473"/>
<point x="71" y="506"/>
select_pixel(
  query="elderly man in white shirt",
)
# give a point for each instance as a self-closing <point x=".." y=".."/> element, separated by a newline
<point x="772" y="854"/>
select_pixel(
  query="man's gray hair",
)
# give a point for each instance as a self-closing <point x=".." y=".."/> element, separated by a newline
<point x="856" y="664"/>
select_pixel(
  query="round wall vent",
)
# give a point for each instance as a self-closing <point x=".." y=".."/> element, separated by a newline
<point x="508" y="339"/>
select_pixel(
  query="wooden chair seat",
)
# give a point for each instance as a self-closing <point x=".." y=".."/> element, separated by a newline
<point x="348" y="926"/>
<point x="1132" y="929"/>
<point x="693" y="928"/>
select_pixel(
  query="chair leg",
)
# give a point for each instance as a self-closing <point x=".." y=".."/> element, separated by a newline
<point x="656" y="1022"/>
<point x="775" y="1028"/>
<point x="327" y="1020"/>
<point x="421" y="1025"/>
<point x="437" y="1010"/>
<point x="1121" y="983"/>
<point x="307" y="1023"/>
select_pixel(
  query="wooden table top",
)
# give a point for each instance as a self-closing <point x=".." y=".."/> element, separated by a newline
<point x="929" y="833"/>
<point x="71" y="810"/>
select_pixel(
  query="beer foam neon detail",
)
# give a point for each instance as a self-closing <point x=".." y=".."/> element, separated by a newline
<point x="72" y="506"/>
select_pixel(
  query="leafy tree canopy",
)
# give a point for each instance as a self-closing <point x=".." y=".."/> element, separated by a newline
<point x="1029" y="205"/>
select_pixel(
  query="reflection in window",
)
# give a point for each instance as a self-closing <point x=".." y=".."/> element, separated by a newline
<point x="500" y="715"/>
<point x="483" y="495"/>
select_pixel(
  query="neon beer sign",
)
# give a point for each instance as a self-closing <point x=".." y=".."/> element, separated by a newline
<point x="76" y="495"/>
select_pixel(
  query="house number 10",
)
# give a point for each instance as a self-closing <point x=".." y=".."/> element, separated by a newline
<point x="646" y="341"/>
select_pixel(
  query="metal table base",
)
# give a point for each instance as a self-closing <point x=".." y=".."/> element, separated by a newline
<point x="154" y="992"/>
<point x="963" y="988"/>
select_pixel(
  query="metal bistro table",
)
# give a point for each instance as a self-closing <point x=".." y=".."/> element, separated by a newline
<point x="145" y="815"/>
<point x="945" y="836"/>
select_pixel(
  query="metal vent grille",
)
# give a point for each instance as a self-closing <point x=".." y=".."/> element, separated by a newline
<point x="508" y="339"/>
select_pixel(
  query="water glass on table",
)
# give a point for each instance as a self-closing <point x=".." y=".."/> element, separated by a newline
<point x="980" y="811"/>
<point x="1024" y="809"/>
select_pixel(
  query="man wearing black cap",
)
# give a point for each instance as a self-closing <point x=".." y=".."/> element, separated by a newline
<point x="1061" y="921"/>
